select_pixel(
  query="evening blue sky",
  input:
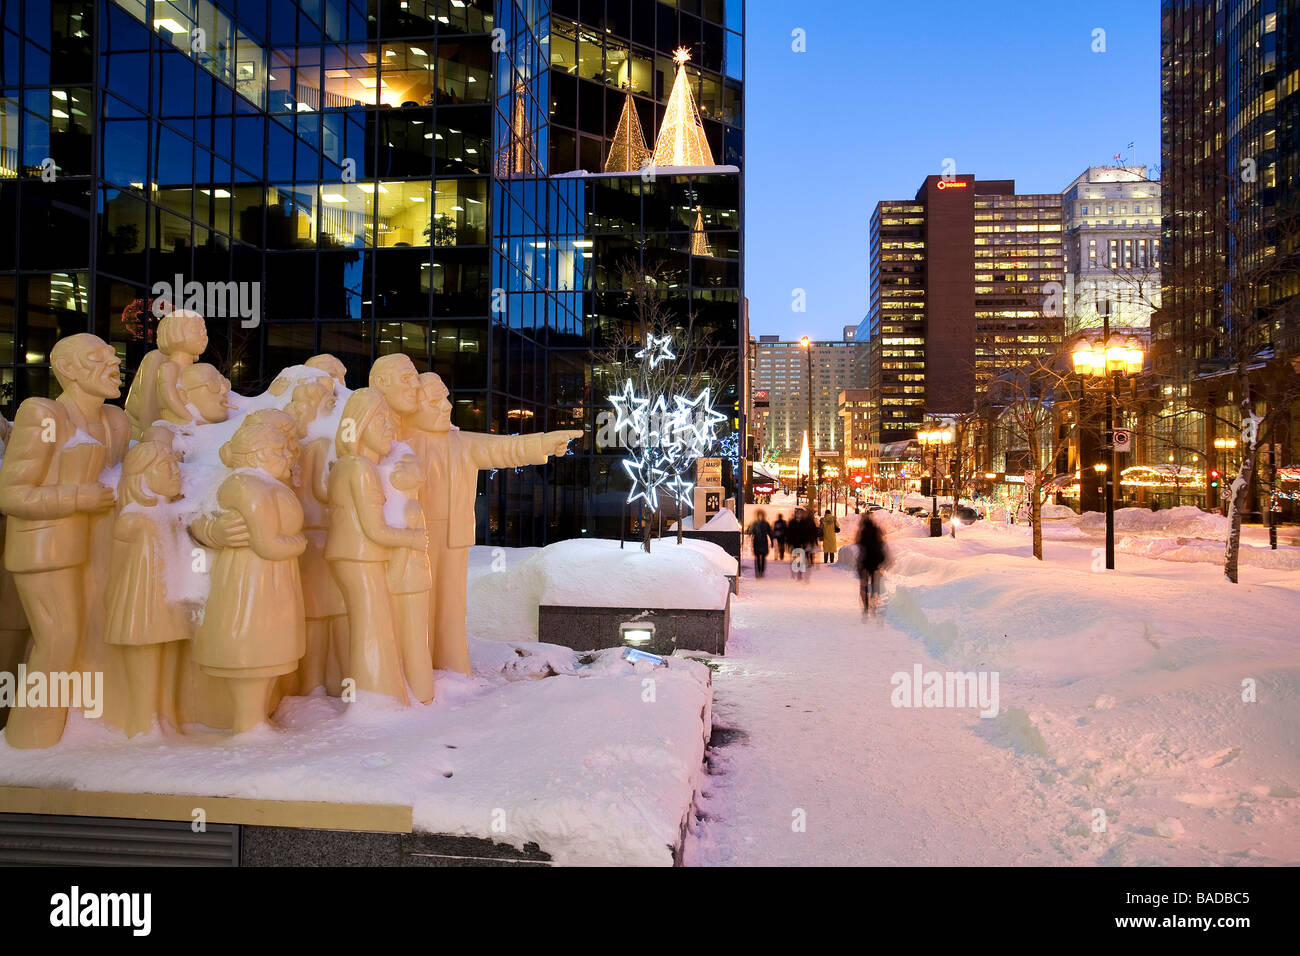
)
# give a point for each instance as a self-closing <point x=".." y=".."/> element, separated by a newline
<point x="886" y="91"/>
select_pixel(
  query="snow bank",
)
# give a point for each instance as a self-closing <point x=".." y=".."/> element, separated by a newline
<point x="506" y="585"/>
<point x="566" y="754"/>
<point x="724" y="520"/>
<point x="1185" y="520"/>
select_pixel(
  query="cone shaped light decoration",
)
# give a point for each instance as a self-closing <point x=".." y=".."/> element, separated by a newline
<point x="628" y="153"/>
<point x="805" y="459"/>
<point x="681" y="139"/>
<point x="699" y="243"/>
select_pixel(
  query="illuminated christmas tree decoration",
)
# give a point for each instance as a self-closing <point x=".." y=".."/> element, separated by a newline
<point x="699" y="242"/>
<point x="666" y="440"/>
<point x="628" y="153"/>
<point x="681" y="139"/>
<point x="657" y="349"/>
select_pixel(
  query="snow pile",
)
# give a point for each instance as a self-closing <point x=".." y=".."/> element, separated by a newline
<point x="564" y="754"/>
<point x="1055" y="512"/>
<point x="1184" y="520"/>
<point x="507" y="585"/>
<point x="724" y="520"/>
<point x="1209" y="551"/>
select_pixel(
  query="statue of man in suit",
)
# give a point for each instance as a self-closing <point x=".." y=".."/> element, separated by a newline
<point x="59" y="512"/>
<point x="451" y="460"/>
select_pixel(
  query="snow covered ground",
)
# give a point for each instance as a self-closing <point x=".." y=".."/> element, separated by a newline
<point x="1122" y="736"/>
<point x="581" y="759"/>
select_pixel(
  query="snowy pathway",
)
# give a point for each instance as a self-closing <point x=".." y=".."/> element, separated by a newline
<point x="1119" y="694"/>
<point x="806" y="682"/>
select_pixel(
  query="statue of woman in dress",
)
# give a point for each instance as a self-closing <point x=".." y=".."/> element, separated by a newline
<point x="326" y="657"/>
<point x="361" y="541"/>
<point x="253" y="628"/>
<point x="140" y="617"/>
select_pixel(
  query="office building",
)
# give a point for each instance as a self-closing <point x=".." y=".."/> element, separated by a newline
<point x="960" y="282"/>
<point x="780" y="372"/>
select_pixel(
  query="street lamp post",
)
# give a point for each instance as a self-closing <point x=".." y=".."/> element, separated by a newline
<point x="1111" y="359"/>
<point x="934" y="439"/>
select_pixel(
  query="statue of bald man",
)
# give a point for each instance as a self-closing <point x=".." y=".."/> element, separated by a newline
<point x="451" y="460"/>
<point x="60" y="515"/>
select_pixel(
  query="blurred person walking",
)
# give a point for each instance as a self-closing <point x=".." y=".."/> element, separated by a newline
<point x="871" y="558"/>
<point x="778" y="536"/>
<point x="760" y="533"/>
<point x="830" y="544"/>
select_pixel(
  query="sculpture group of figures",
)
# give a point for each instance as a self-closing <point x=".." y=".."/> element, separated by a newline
<point x="210" y="553"/>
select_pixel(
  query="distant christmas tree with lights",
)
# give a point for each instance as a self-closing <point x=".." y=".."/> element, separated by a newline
<point x="628" y="153"/>
<point x="681" y="139"/>
<point x="699" y="242"/>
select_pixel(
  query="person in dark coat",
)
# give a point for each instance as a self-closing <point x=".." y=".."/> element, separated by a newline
<point x="871" y="558"/>
<point x="778" y="537"/>
<point x="760" y="533"/>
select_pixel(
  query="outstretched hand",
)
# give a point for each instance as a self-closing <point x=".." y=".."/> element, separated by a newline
<point x="561" y="440"/>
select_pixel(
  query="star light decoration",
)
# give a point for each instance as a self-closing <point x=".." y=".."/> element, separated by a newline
<point x="657" y="349"/>
<point x="666" y="441"/>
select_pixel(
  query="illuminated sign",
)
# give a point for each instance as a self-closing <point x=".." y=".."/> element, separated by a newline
<point x="953" y="184"/>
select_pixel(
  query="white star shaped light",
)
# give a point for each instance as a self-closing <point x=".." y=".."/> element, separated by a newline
<point x="657" y="349"/>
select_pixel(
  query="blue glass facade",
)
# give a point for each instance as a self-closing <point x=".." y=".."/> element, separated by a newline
<point x="384" y="171"/>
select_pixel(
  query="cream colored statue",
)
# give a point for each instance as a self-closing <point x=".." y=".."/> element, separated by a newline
<point x="253" y="628"/>
<point x="14" y="632"/>
<point x="141" y="617"/>
<point x="360" y="542"/>
<point x="327" y="632"/>
<point x="410" y="582"/>
<point x="155" y="392"/>
<point x="451" y="460"/>
<point x="56" y="541"/>
<point x="330" y="366"/>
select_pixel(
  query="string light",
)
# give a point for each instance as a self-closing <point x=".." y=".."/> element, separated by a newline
<point x="681" y="139"/>
<point x="628" y="153"/>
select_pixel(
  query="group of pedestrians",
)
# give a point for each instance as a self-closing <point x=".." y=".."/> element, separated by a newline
<point x="802" y="535"/>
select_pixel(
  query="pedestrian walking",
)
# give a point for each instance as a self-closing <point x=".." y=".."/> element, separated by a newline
<point x="778" y="537"/>
<point x="760" y="534"/>
<point x="800" y="541"/>
<point x="830" y="544"/>
<point x="871" y="558"/>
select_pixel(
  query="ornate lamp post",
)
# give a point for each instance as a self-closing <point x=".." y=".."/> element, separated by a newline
<point x="1111" y="358"/>
<point x="934" y="440"/>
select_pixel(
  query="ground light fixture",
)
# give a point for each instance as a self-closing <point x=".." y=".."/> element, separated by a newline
<point x="636" y="633"/>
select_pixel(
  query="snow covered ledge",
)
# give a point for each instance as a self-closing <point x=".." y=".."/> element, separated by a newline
<point x="566" y="761"/>
<point x="587" y="587"/>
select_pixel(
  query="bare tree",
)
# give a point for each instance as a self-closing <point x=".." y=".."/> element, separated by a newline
<point x="694" y="363"/>
<point x="1037" y="410"/>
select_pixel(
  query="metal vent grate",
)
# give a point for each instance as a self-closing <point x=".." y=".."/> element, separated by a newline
<point x="44" y="839"/>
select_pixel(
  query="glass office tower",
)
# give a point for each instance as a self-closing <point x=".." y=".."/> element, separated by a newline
<point x="380" y="174"/>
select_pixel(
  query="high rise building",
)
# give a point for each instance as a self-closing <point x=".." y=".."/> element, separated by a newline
<point x="1230" y="131"/>
<point x="780" y="374"/>
<point x="855" y="417"/>
<point x="377" y="176"/>
<point x="1230" y="145"/>
<point x="1112" y="247"/>
<point x="960" y="286"/>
